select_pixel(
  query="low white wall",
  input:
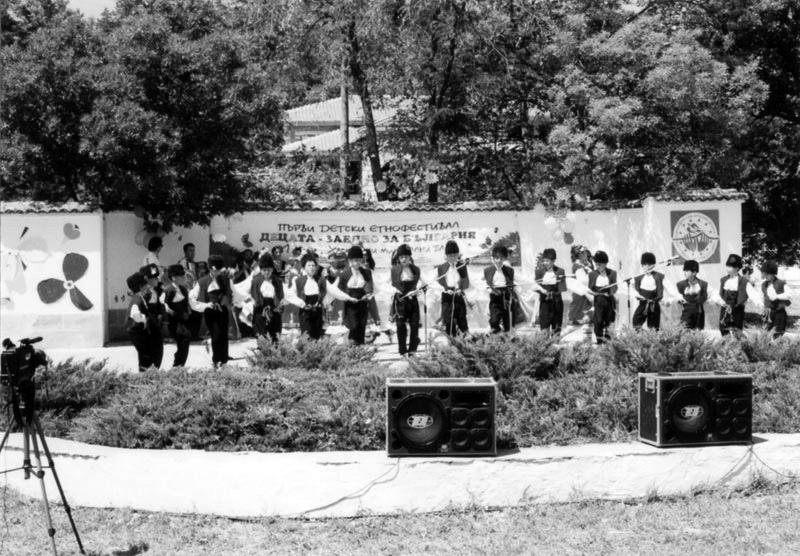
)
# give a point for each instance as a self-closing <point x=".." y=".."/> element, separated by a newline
<point x="37" y="249"/>
<point x="115" y="245"/>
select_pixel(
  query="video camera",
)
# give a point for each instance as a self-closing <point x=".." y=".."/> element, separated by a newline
<point x="18" y="364"/>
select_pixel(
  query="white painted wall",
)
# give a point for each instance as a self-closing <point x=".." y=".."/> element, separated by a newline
<point x="115" y="245"/>
<point x="34" y="247"/>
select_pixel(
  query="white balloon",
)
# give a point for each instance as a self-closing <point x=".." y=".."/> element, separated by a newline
<point x="571" y="217"/>
<point x="567" y="225"/>
<point x="558" y="235"/>
<point x="550" y="223"/>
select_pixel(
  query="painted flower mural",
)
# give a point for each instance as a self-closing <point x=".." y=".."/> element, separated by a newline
<point x="51" y="290"/>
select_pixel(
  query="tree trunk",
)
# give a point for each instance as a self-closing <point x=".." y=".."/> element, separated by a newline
<point x="361" y="87"/>
<point x="344" y="130"/>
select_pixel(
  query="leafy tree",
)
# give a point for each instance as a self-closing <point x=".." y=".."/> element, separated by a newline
<point x="156" y="108"/>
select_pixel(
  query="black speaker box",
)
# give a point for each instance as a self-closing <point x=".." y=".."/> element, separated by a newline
<point x="695" y="409"/>
<point x="440" y="417"/>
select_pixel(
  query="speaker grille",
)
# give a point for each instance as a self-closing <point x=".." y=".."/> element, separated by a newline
<point x="420" y="421"/>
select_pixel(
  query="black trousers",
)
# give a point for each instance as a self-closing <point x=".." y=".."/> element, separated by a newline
<point x="777" y="322"/>
<point x="407" y="321"/>
<point x="217" y="323"/>
<point x="264" y="327"/>
<point x="651" y="315"/>
<point x="454" y="314"/>
<point x="311" y="322"/>
<point x="140" y="338"/>
<point x="551" y="312"/>
<point x="156" y="344"/>
<point x="179" y="331"/>
<point x="355" y="319"/>
<point x="693" y="316"/>
<point x="731" y="319"/>
<point x="499" y="314"/>
<point x="604" y="316"/>
<point x="195" y="320"/>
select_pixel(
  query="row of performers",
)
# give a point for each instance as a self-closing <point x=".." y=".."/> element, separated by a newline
<point x="211" y="296"/>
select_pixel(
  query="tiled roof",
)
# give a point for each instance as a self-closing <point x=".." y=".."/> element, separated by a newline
<point x="714" y="194"/>
<point x="330" y="111"/>
<point x="40" y="207"/>
<point x="325" y="142"/>
<point x="389" y="206"/>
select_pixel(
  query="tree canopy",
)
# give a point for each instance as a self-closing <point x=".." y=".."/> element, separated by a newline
<point x="175" y="105"/>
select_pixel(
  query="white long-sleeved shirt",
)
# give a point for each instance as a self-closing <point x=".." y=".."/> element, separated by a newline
<point x="136" y="315"/>
<point x="312" y="288"/>
<point x="200" y="306"/>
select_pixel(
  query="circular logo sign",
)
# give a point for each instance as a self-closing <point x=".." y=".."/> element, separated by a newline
<point x="695" y="236"/>
<point x="419" y="421"/>
<point x="691" y="411"/>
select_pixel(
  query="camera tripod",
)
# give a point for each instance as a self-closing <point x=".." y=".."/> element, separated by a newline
<point x="31" y="435"/>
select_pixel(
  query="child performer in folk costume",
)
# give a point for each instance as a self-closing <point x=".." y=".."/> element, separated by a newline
<point x="550" y="281"/>
<point x="176" y="302"/>
<point x="649" y="290"/>
<point x="405" y="279"/>
<point x="732" y="297"/>
<point x="454" y="280"/>
<point x="776" y="298"/>
<point x="212" y="296"/>
<point x="307" y="292"/>
<point x="693" y="295"/>
<point x="136" y="322"/>
<point x="499" y="278"/>
<point x="266" y="289"/>
<point x="356" y="282"/>
<point x="603" y="285"/>
<point x="155" y="307"/>
<point x="581" y="267"/>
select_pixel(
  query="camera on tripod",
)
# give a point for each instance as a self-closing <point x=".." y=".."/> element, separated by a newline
<point x="18" y="365"/>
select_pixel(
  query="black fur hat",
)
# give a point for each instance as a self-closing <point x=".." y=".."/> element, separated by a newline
<point x="500" y="250"/>
<point x="451" y="248"/>
<point x="601" y="257"/>
<point x="404" y="249"/>
<point x="136" y="282"/>
<point x="648" y="258"/>
<point x="549" y="253"/>
<point x="266" y="261"/>
<point x="769" y="267"/>
<point x="216" y="262"/>
<point x="691" y="266"/>
<point x="175" y="270"/>
<point x="355" y="252"/>
<point x="734" y="260"/>
<point x="150" y="271"/>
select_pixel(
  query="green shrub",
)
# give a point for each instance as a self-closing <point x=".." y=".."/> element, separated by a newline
<point x="598" y="405"/>
<point x="673" y="351"/>
<point x="499" y="356"/>
<point x="776" y="397"/>
<point x="547" y="394"/>
<point x="758" y="345"/>
<point x="283" y="409"/>
<point x="304" y="353"/>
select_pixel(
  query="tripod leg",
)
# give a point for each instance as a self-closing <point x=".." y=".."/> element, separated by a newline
<point x="5" y="436"/>
<point x="39" y="473"/>
<point x="52" y="465"/>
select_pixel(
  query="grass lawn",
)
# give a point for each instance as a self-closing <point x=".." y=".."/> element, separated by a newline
<point x="760" y="519"/>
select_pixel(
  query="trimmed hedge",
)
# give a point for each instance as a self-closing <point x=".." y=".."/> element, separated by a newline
<point x="547" y="394"/>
